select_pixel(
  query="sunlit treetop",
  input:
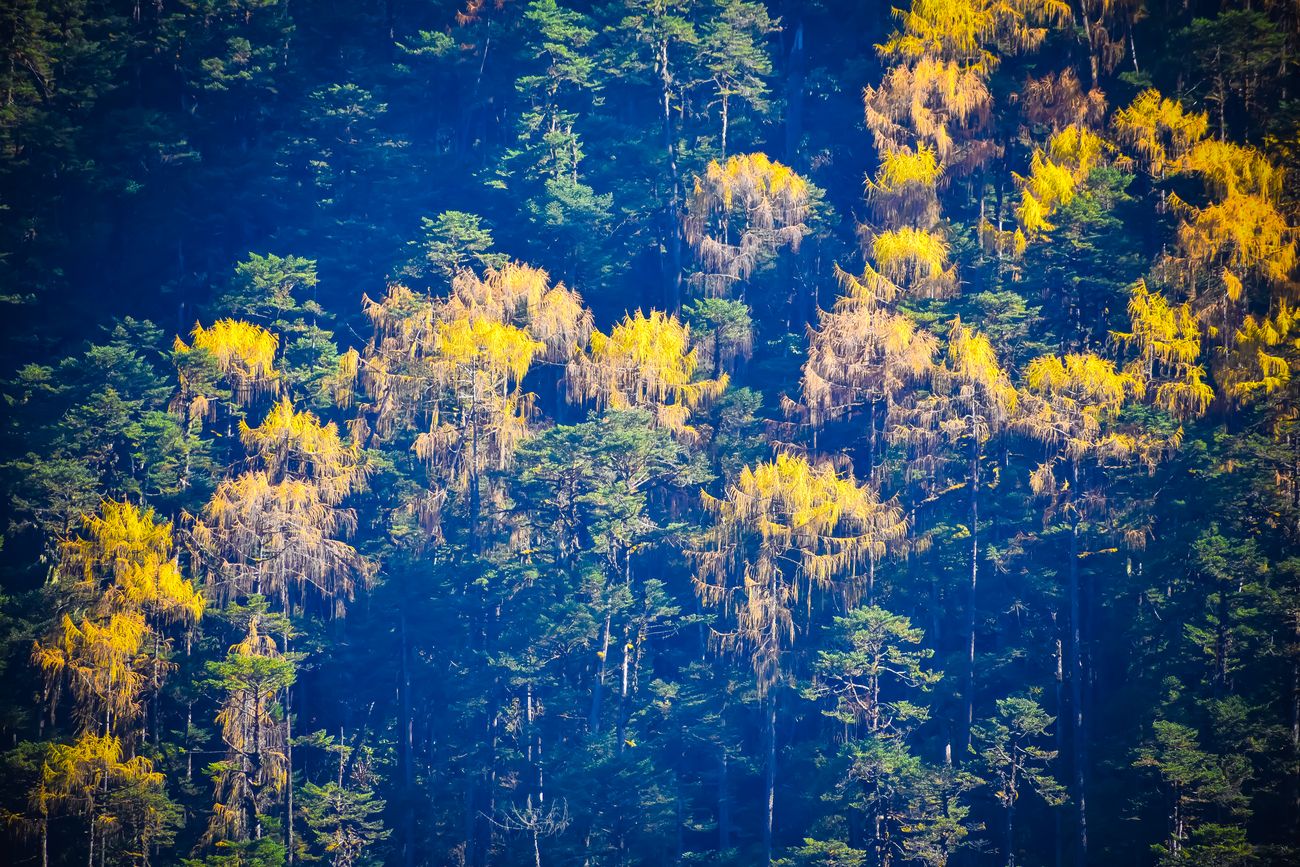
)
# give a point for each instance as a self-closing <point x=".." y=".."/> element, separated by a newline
<point x="523" y="296"/>
<point x="1068" y="402"/>
<point x="861" y="353"/>
<point x="784" y="528"/>
<point x="741" y="209"/>
<point x="645" y="361"/>
<point x="291" y="444"/>
<point x="972" y="32"/>
<point x="1159" y="129"/>
<point x="926" y="104"/>
<point x="1258" y="361"/>
<point x="1167" y="340"/>
<point x="127" y="552"/>
<point x="916" y="259"/>
<point x="1055" y="175"/>
<point x="244" y="354"/>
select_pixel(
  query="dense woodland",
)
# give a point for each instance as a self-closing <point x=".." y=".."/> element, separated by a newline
<point x="532" y="432"/>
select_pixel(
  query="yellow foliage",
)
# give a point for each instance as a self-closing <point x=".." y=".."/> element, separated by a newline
<point x="784" y="528"/>
<point x="964" y="31"/>
<point x="1168" y="344"/>
<point x="756" y="200"/>
<point x="1231" y="169"/>
<point x="645" y="361"/>
<point x="906" y="167"/>
<point x="125" y="573"/>
<point x="915" y="256"/>
<point x="1244" y="233"/>
<point x="1054" y="176"/>
<point x="292" y="444"/>
<point x="923" y="104"/>
<point x="861" y="354"/>
<point x="244" y="353"/>
<point x="1159" y="129"/>
<point x="277" y="538"/>
<point x="1256" y="363"/>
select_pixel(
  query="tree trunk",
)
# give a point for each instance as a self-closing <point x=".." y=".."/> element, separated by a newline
<point x="1080" y="744"/>
<point x="769" y="779"/>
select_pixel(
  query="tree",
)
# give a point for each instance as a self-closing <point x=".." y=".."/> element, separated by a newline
<point x="733" y="52"/>
<point x="644" y="362"/>
<point x="252" y="677"/>
<point x="759" y="202"/>
<point x="1009" y="753"/>
<point x="786" y="529"/>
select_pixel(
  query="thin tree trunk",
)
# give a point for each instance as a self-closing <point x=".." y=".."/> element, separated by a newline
<point x="769" y="780"/>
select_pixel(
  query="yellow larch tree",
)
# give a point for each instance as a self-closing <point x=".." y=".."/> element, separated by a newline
<point x="239" y="353"/>
<point x="647" y="362"/>
<point x="448" y="372"/>
<point x="278" y="530"/>
<point x="1071" y="405"/>
<point x="119" y="794"/>
<point x="741" y="210"/>
<point x="862" y="357"/>
<point x="971" y="400"/>
<point x="126" y="589"/>
<point x="785" y="529"/>
<point x="256" y="770"/>
<point x="1166" y="341"/>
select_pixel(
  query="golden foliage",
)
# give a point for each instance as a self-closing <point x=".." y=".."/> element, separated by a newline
<point x="451" y="370"/>
<point x="244" y="354"/>
<point x="1054" y="176"/>
<point x="759" y="201"/>
<point x="1255" y="364"/>
<point x="523" y="296"/>
<point x="930" y="103"/>
<point x="295" y="445"/>
<point x="860" y="354"/>
<point x="645" y="361"/>
<point x="784" y="528"/>
<point x="1159" y="129"/>
<point x="1069" y="403"/>
<point x="1243" y="233"/>
<point x="126" y="577"/>
<point x="278" y="539"/>
<point x="1167" y="339"/>
<point x="965" y="31"/>
<point x="915" y="257"/>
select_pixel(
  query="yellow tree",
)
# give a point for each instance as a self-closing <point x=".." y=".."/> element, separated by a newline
<point x="1070" y="405"/>
<point x="277" y="530"/>
<point x="125" y="588"/>
<point x="785" y="529"/>
<point x="94" y="777"/>
<point x="862" y="357"/>
<point x="239" y="354"/>
<point x="1166" y="340"/>
<point x="972" y="400"/>
<point x="449" y="372"/>
<point x="1233" y="253"/>
<point x="254" y="726"/>
<point x="740" y="211"/>
<point x="647" y="362"/>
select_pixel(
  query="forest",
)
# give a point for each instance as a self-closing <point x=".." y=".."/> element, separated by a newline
<point x="650" y="432"/>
